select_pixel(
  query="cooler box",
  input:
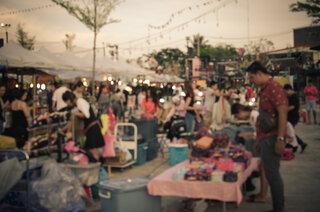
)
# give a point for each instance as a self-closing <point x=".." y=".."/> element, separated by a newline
<point x="127" y="195"/>
<point x="141" y="154"/>
<point x="153" y="147"/>
<point x="178" y="153"/>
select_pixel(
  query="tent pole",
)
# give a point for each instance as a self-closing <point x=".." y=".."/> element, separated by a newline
<point x="34" y="95"/>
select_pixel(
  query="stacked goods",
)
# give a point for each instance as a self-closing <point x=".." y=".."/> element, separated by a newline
<point x="51" y="118"/>
<point x="221" y="165"/>
<point x="201" y="171"/>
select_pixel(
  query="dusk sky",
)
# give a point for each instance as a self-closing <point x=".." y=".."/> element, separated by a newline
<point x="227" y="24"/>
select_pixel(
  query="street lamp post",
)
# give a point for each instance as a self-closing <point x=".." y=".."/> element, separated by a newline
<point x="5" y="26"/>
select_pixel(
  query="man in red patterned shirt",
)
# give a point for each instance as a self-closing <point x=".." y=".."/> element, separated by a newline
<point x="273" y="101"/>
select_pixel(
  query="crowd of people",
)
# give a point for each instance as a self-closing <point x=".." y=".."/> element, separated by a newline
<point x="208" y="106"/>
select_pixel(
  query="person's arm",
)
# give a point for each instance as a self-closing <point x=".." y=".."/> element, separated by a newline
<point x="291" y="108"/>
<point x="315" y="92"/>
<point x="282" y="119"/>
<point x="170" y="114"/>
<point x="84" y="108"/>
<point x="216" y="93"/>
<point x="79" y="114"/>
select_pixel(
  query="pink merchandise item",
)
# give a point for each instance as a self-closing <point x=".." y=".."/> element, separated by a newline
<point x="288" y="154"/>
<point x="225" y="165"/>
<point x="108" y="149"/>
<point x="71" y="147"/>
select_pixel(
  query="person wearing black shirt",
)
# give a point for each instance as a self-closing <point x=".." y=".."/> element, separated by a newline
<point x="293" y="113"/>
<point x="190" y="117"/>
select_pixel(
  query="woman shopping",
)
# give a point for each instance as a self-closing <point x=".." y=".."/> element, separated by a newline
<point x="21" y="118"/>
<point x="189" y="106"/>
<point x="94" y="139"/>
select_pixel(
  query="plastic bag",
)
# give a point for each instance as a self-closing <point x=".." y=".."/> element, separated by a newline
<point x="58" y="189"/>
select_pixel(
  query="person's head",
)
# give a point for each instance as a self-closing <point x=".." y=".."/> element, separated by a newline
<point x="240" y="111"/>
<point x="229" y="90"/>
<point x="258" y="73"/>
<point x="247" y="86"/>
<point x="78" y="87"/>
<point x="2" y="90"/>
<point x="310" y="83"/>
<point x="213" y="85"/>
<point x="188" y="86"/>
<point x="288" y="89"/>
<point x="22" y="95"/>
<point x="69" y="98"/>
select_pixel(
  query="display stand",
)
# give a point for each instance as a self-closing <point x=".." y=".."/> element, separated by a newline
<point x="50" y="128"/>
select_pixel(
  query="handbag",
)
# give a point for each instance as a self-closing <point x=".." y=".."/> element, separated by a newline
<point x="266" y="122"/>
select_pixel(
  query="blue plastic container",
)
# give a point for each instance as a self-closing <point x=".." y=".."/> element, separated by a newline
<point x="178" y="153"/>
<point x="127" y="195"/>
<point x="141" y="153"/>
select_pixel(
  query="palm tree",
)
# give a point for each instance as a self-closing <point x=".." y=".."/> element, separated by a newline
<point x="202" y="43"/>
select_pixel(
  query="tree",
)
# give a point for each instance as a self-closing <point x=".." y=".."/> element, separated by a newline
<point x="23" y="38"/>
<point x="224" y="51"/>
<point x="68" y="41"/>
<point x="311" y="7"/>
<point x="94" y="14"/>
<point x="260" y="46"/>
<point x="194" y="43"/>
<point x="171" y="60"/>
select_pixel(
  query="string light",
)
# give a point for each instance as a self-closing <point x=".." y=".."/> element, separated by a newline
<point x="31" y="9"/>
<point x="178" y="27"/>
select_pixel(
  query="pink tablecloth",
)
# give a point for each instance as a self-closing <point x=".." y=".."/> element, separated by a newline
<point x="164" y="185"/>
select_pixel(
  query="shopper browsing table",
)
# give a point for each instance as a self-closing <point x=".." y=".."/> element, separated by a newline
<point x="271" y="138"/>
<point x="293" y="111"/>
<point x="94" y="139"/>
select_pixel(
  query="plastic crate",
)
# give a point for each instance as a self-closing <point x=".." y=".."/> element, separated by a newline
<point x="147" y="128"/>
<point x="87" y="174"/>
<point x="142" y="154"/>
<point x="153" y="147"/>
<point x="124" y="195"/>
<point x="178" y="153"/>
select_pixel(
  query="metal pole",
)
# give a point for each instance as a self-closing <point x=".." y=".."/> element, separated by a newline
<point x="198" y="46"/>
<point x="7" y="35"/>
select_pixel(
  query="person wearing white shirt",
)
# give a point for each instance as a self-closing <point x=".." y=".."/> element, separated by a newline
<point x="57" y="101"/>
<point x="209" y="102"/>
<point x="94" y="139"/>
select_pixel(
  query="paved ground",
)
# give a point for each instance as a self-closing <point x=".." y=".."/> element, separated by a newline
<point x="301" y="178"/>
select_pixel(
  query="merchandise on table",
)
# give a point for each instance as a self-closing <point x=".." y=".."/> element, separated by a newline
<point x="223" y="165"/>
<point x="56" y="117"/>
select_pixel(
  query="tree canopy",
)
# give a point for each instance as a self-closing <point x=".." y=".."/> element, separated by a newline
<point x="170" y="59"/>
<point x="23" y="38"/>
<point x="311" y="7"/>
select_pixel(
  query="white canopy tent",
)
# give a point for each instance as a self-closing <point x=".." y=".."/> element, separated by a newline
<point x="68" y="66"/>
<point x="14" y="55"/>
